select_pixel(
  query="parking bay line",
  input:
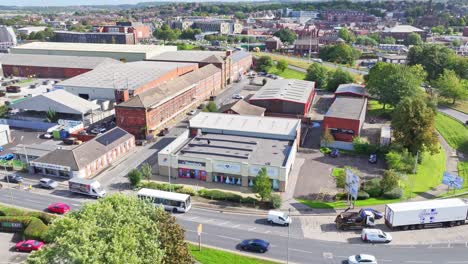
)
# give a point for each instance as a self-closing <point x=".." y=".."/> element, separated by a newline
<point x="300" y="250"/>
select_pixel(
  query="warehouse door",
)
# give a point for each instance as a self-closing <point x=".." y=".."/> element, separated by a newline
<point x="3" y="138"/>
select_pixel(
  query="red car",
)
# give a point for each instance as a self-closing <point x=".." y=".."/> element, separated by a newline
<point x="59" y="208"/>
<point x="29" y="245"/>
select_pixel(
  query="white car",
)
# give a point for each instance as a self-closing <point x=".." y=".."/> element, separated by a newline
<point x="375" y="236"/>
<point x="98" y="130"/>
<point x="192" y="112"/>
<point x="362" y="258"/>
<point x="47" y="136"/>
<point x="48" y="183"/>
<point x="279" y="218"/>
<point x="237" y="96"/>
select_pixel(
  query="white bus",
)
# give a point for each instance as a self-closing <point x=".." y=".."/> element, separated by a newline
<point x="175" y="202"/>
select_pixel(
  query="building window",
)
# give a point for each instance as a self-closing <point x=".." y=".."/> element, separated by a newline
<point x="227" y="179"/>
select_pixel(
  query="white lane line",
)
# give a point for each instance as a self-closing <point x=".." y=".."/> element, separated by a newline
<point x="267" y="232"/>
<point x="193" y="218"/>
<point x="236" y="226"/>
<point x="209" y="220"/>
<point x="454" y="262"/>
<point x="226" y="237"/>
<point x="385" y="260"/>
<point x="299" y="250"/>
<point x="75" y="204"/>
<point x="252" y="228"/>
<point x="417" y="261"/>
<point x="223" y="223"/>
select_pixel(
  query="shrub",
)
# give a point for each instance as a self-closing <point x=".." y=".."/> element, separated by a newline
<point x="10" y="211"/>
<point x="275" y="200"/>
<point x="249" y="200"/>
<point x="373" y="188"/>
<point x="362" y="147"/>
<point x="134" y="176"/>
<point x="400" y="161"/>
<point x="341" y="196"/>
<point x="187" y="190"/>
<point x="169" y="187"/>
<point x="36" y="229"/>
<point x="362" y="195"/>
<point x="340" y="179"/>
<point x="325" y="150"/>
<point x="389" y="181"/>
<point x="395" y="193"/>
<point x="226" y="196"/>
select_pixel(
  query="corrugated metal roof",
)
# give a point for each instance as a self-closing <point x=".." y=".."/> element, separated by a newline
<point x="238" y="55"/>
<point x="403" y="29"/>
<point x="131" y="75"/>
<point x="190" y="56"/>
<point x="243" y="108"/>
<point x="288" y="90"/>
<point x="78" y="62"/>
<point x="347" y="108"/>
<point x="351" y="88"/>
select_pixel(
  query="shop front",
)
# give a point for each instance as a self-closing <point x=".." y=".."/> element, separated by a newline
<point x="226" y="178"/>
<point x="227" y="173"/>
<point x="192" y="170"/>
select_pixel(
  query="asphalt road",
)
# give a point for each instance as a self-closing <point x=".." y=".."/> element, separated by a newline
<point x="225" y="230"/>
<point x="462" y="117"/>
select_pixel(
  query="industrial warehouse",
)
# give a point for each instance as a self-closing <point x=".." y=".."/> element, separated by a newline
<point x="231" y="149"/>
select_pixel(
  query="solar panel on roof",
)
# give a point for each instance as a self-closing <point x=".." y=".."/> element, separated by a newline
<point x="111" y="136"/>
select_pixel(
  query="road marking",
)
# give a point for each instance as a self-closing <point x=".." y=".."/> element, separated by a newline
<point x="252" y="228"/>
<point x="327" y="255"/>
<point x="193" y="218"/>
<point x="226" y="237"/>
<point x="236" y="226"/>
<point x="223" y="223"/>
<point x="462" y="261"/>
<point x="267" y="232"/>
<point x="299" y="250"/>
<point x="418" y="261"/>
<point x="209" y="220"/>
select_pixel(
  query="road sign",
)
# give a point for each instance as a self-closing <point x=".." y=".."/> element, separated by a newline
<point x="352" y="183"/>
<point x="452" y="180"/>
<point x="199" y="229"/>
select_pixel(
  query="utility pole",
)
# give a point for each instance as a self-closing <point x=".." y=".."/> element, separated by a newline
<point x="414" y="172"/>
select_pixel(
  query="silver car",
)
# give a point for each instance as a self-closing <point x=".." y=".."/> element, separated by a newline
<point x="362" y="258"/>
<point x="48" y="183"/>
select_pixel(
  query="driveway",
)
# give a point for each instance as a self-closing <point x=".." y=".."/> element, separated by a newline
<point x="7" y="251"/>
<point x="462" y="117"/>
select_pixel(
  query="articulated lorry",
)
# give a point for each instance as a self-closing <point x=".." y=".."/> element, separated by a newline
<point x="87" y="187"/>
<point x="433" y="213"/>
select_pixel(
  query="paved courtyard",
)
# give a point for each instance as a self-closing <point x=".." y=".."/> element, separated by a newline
<point x="8" y="254"/>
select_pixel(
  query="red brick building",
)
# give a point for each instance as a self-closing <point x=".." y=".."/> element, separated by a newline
<point x="45" y="66"/>
<point x="147" y="113"/>
<point x="345" y="118"/>
<point x="139" y="30"/>
<point x="241" y="62"/>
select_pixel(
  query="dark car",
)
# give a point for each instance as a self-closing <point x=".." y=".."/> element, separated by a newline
<point x="13" y="178"/>
<point x="334" y="153"/>
<point x="257" y="245"/>
<point x="373" y="158"/>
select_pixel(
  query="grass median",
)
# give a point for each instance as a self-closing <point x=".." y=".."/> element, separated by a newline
<point x="453" y="131"/>
<point x="288" y="73"/>
<point x="211" y="255"/>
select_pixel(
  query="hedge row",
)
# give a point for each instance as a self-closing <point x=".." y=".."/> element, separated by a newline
<point x="10" y="211"/>
<point x="34" y="227"/>
<point x="169" y="187"/>
<point x="226" y="196"/>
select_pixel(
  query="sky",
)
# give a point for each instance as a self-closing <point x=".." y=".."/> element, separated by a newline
<point x="80" y="2"/>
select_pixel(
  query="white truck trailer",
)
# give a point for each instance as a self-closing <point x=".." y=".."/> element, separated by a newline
<point x="432" y="213"/>
<point x="86" y="187"/>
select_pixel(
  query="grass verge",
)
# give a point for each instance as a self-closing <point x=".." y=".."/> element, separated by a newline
<point x="454" y="132"/>
<point x="376" y="109"/>
<point x="288" y="73"/>
<point x="461" y="106"/>
<point x="210" y="255"/>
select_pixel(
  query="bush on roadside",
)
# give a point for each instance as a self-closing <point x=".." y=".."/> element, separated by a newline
<point x="362" y="195"/>
<point x="10" y="211"/>
<point x="249" y="200"/>
<point x="275" y="200"/>
<point x="36" y="229"/>
<point x="187" y="190"/>
<point x="362" y="147"/>
<point x="169" y="187"/>
<point x="401" y="161"/>
<point x="340" y="179"/>
<point x="325" y="150"/>
<point x="389" y="180"/>
<point x="373" y="188"/>
<point x="341" y="196"/>
<point x="395" y="193"/>
<point x="134" y="176"/>
<point x="226" y="196"/>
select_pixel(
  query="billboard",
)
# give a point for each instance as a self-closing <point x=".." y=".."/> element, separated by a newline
<point x="452" y="180"/>
<point x="352" y="183"/>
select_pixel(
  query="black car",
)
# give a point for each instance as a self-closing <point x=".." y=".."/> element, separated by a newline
<point x="334" y="153"/>
<point x="13" y="178"/>
<point x="257" y="245"/>
<point x="373" y="158"/>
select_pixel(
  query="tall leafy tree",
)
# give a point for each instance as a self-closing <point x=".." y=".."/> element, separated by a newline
<point x="165" y="33"/>
<point x="366" y="41"/>
<point x="390" y="83"/>
<point x="340" y="53"/>
<point x="346" y="35"/>
<point x="146" y="171"/>
<point x="286" y="35"/>
<point x="262" y="185"/>
<point x="318" y="74"/>
<point x="414" y="39"/>
<point x="115" y="229"/>
<point x="450" y="86"/>
<point x="433" y="58"/>
<point x="264" y="63"/>
<point x="282" y="65"/>
<point x="339" y="76"/>
<point x="413" y="124"/>
<point x="388" y="40"/>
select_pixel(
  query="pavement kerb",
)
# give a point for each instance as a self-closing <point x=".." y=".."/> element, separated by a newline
<point x="237" y="252"/>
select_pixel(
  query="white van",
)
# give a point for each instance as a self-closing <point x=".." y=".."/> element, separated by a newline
<point x="279" y="218"/>
<point x="375" y="236"/>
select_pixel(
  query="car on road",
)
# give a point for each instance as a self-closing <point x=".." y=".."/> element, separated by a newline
<point x="29" y="245"/>
<point x="192" y="112"/>
<point x="256" y="245"/>
<point x="48" y="183"/>
<point x="8" y="156"/>
<point x="98" y="130"/>
<point x="317" y="60"/>
<point x="46" y="136"/>
<point x="362" y="258"/>
<point x="335" y="153"/>
<point x="58" y="208"/>
<point x="375" y="236"/>
<point x="279" y="218"/>
<point x="373" y="158"/>
<point x="237" y="96"/>
<point x="13" y="178"/>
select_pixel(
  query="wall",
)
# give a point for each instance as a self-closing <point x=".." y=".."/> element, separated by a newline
<point x="42" y="72"/>
<point x="126" y="56"/>
<point x="132" y="120"/>
<point x="36" y="125"/>
<point x="342" y="123"/>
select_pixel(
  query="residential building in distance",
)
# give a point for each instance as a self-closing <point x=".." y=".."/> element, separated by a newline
<point x="126" y="53"/>
<point x="305" y="45"/>
<point x="273" y="43"/>
<point x="465" y="31"/>
<point x="152" y="109"/>
<point x="345" y="117"/>
<point x="85" y="160"/>
<point x="401" y="32"/>
<point x="241" y="107"/>
<point x="44" y="66"/>
<point x="119" y="82"/>
<point x="231" y="149"/>
<point x="7" y="38"/>
<point x="347" y="16"/>
<point x="139" y="30"/>
<point x="392" y="58"/>
<point x="285" y="97"/>
<point x="29" y="30"/>
<point x="222" y="26"/>
<point x="95" y="37"/>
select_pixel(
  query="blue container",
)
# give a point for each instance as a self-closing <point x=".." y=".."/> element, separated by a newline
<point x="64" y="134"/>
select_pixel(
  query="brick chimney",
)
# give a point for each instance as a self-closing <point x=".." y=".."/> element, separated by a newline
<point x="121" y="96"/>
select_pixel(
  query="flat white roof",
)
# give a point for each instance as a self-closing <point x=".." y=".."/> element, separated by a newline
<point x="96" y="47"/>
<point x="431" y="204"/>
<point x="246" y="123"/>
<point x="288" y="90"/>
<point x="403" y="29"/>
<point x="163" y="194"/>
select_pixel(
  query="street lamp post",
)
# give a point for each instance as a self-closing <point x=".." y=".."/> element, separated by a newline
<point x="287" y="244"/>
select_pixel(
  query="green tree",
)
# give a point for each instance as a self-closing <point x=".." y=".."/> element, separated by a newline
<point x="433" y="58"/>
<point x="286" y="35"/>
<point x="389" y="180"/>
<point x="165" y="33"/>
<point x="340" y="53"/>
<point x="327" y="137"/>
<point x="388" y="40"/>
<point x="240" y="15"/>
<point x="115" y="229"/>
<point x="366" y="41"/>
<point x="318" y="74"/>
<point x="210" y="107"/>
<point x="52" y="116"/>
<point x="346" y="35"/>
<point x="264" y="63"/>
<point x="414" y="39"/>
<point x="3" y="111"/>
<point x="262" y="185"/>
<point x="339" y="76"/>
<point x="134" y="176"/>
<point x="450" y="86"/>
<point x="456" y="43"/>
<point x="282" y="65"/>
<point x="440" y="29"/>
<point x="146" y="171"/>
<point x="390" y="83"/>
<point x="413" y="125"/>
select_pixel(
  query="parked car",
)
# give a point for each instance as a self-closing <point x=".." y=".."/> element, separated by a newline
<point x="163" y="132"/>
<point x="257" y="245"/>
<point x="192" y="112"/>
<point x="335" y="153"/>
<point x="98" y="130"/>
<point x="362" y="258"/>
<point x="141" y="142"/>
<point x="8" y="156"/>
<point x="29" y="245"/>
<point x="237" y="96"/>
<point x="377" y="214"/>
<point x="58" y="208"/>
<point x="13" y="178"/>
<point x="262" y="74"/>
<point x="277" y="217"/>
<point x="47" y="136"/>
<point x="48" y="183"/>
<point x="201" y="106"/>
<point x="317" y="60"/>
<point x="375" y="236"/>
<point x="373" y="158"/>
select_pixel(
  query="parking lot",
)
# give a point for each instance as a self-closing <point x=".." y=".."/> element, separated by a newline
<point x="7" y="249"/>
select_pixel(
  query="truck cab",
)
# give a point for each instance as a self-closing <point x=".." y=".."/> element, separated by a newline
<point x="355" y="220"/>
